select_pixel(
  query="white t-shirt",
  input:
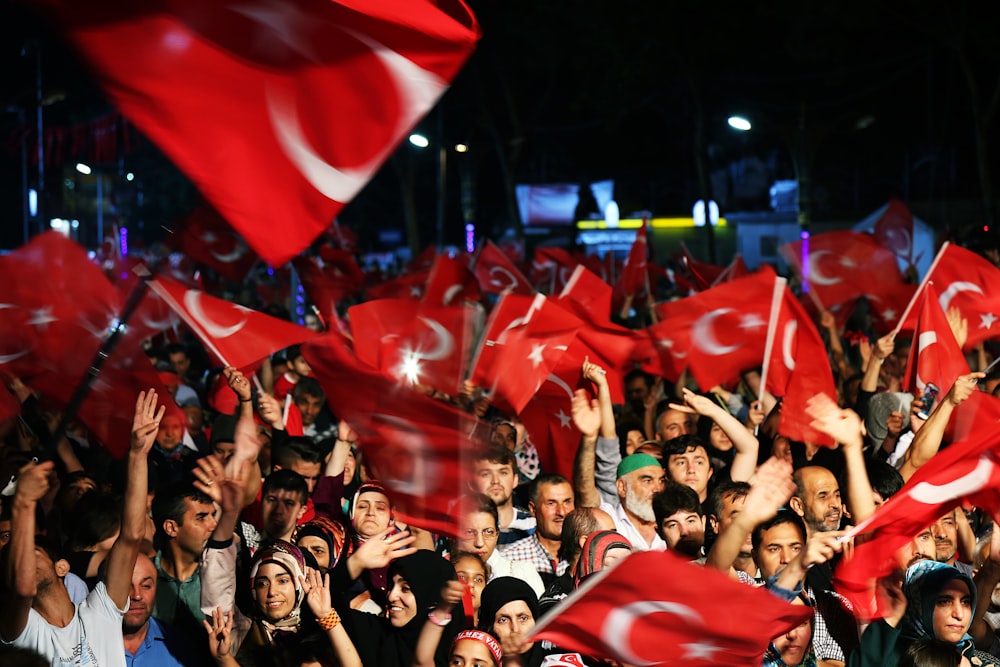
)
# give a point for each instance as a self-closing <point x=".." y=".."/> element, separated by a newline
<point x="92" y="639"/>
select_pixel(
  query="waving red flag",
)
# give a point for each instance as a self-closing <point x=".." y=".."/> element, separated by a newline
<point x="549" y="423"/>
<point x="798" y="369"/>
<point x="702" y="274"/>
<point x="633" y="278"/>
<point x="328" y="280"/>
<point x="233" y="334"/>
<point x="206" y="237"/>
<point x="843" y="265"/>
<point x="525" y="337"/>
<point x="966" y="471"/>
<point x="551" y="268"/>
<point x="497" y="273"/>
<point x="686" y="614"/>
<point x="894" y="230"/>
<point x="935" y="356"/>
<point x="412" y="444"/>
<point x="970" y="283"/>
<point x="279" y="112"/>
<point x="414" y="342"/>
<point x="451" y="282"/>
<point x="717" y="333"/>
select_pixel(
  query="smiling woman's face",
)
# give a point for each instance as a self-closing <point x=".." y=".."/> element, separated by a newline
<point x="275" y="591"/>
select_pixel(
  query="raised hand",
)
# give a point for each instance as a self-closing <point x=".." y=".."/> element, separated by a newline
<point x="594" y="373"/>
<point x="33" y="481"/>
<point x="208" y="472"/>
<point x="145" y="422"/>
<point x="317" y="590"/>
<point x="345" y="433"/>
<point x="696" y="403"/>
<point x="586" y="413"/>
<point x="270" y="410"/>
<point x="964" y="386"/>
<point x="844" y="426"/>
<point x="770" y="488"/>
<point x="382" y="549"/>
<point x="220" y="632"/>
<point x="238" y="383"/>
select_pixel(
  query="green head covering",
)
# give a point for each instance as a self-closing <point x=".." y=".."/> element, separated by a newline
<point x="633" y="462"/>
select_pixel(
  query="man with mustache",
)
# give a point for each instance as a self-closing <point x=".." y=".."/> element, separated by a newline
<point x="817" y="499"/>
<point x="148" y="642"/>
<point x="551" y="499"/>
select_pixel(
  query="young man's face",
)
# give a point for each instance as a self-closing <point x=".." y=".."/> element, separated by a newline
<point x="310" y="407"/>
<point x="495" y="480"/>
<point x="692" y="469"/>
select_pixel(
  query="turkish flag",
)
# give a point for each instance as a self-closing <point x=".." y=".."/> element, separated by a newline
<point x="549" y="422"/>
<point x="894" y="230"/>
<point x="551" y="268"/>
<point x="702" y="274"/>
<point x="843" y="265"/>
<point x="607" y="344"/>
<point x="410" y="285"/>
<point x="634" y="279"/>
<point x="413" y="444"/>
<point x="685" y="614"/>
<point x="736" y="269"/>
<point x="233" y="334"/>
<point x="329" y="279"/>
<point x="497" y="273"/>
<point x="935" y="356"/>
<point x="970" y="283"/>
<point x="964" y="472"/>
<point x="205" y="236"/>
<point x="798" y="369"/>
<point x="886" y="303"/>
<point x="59" y="308"/>
<point x="451" y="282"/>
<point x="280" y="112"/>
<point x="413" y="341"/>
<point x="717" y="333"/>
<point x="525" y="338"/>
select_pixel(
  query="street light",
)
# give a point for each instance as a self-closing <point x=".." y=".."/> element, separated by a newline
<point x="739" y="123"/>
<point x="83" y="168"/>
<point x="419" y="140"/>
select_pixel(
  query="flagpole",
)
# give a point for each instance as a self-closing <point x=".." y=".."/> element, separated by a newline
<point x="97" y="364"/>
<point x="923" y="284"/>
<point x="772" y="325"/>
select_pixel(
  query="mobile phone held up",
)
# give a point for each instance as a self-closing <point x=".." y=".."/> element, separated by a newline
<point x="928" y="398"/>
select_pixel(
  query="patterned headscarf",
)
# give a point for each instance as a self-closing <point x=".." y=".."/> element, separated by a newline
<point x="595" y="548"/>
<point x="330" y="531"/>
<point x="290" y="558"/>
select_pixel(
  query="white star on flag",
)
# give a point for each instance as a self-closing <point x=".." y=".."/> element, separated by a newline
<point x="751" y="321"/>
<point x="986" y="320"/>
<point x="700" y="651"/>
<point x="564" y="419"/>
<point x="536" y="354"/>
<point x="42" y="317"/>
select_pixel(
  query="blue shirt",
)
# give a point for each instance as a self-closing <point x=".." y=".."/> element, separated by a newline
<point x="153" y="651"/>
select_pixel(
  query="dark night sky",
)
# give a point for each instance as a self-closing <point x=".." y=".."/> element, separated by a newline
<point x="593" y="90"/>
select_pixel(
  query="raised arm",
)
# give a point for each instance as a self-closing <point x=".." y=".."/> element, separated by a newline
<point x="433" y="629"/>
<point x="599" y="377"/>
<point x="927" y="441"/>
<point x="19" y="574"/>
<point x="744" y="442"/>
<point x="317" y="589"/>
<point x="587" y="418"/>
<point x="844" y="426"/>
<point x="246" y="448"/>
<point x="121" y="560"/>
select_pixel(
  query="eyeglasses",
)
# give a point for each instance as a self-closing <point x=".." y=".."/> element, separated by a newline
<point x="487" y="533"/>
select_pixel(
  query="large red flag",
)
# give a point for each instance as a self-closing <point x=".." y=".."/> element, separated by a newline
<point x="497" y="273"/>
<point x="549" y="422"/>
<point x="702" y="274"/>
<point x="279" y="112"/>
<point x="717" y="333"/>
<point x="633" y="279"/>
<point x="412" y="444"/>
<point x="966" y="471"/>
<point x="684" y="614"/>
<point x="935" y="356"/>
<point x="58" y="309"/>
<point x="799" y="369"/>
<point x="525" y="338"/>
<point x="233" y="334"/>
<point x="551" y="268"/>
<point x="970" y="283"/>
<point x="206" y="237"/>
<point x="843" y="265"/>
<point x="328" y="280"/>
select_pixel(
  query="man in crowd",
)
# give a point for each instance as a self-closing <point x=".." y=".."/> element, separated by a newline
<point x="679" y="520"/>
<point x="478" y="533"/>
<point x="551" y="499"/>
<point x="494" y="474"/>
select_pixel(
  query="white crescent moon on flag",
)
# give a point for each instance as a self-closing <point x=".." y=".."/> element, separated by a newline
<point x="450" y="294"/>
<point x="230" y="256"/>
<point x="704" y="336"/>
<point x="4" y="358"/>
<point x="444" y="345"/>
<point x="192" y="301"/>
<point x="976" y="479"/>
<point x="815" y="275"/>
<point x="417" y="89"/>
<point x="510" y="276"/>
<point x="787" y="339"/>
<point x="954" y="288"/>
<point x="618" y="624"/>
<point x="558" y="381"/>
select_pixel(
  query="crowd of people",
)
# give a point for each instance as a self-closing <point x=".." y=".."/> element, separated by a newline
<point x="240" y="539"/>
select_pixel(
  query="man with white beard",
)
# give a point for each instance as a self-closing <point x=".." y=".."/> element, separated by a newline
<point x="639" y="477"/>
